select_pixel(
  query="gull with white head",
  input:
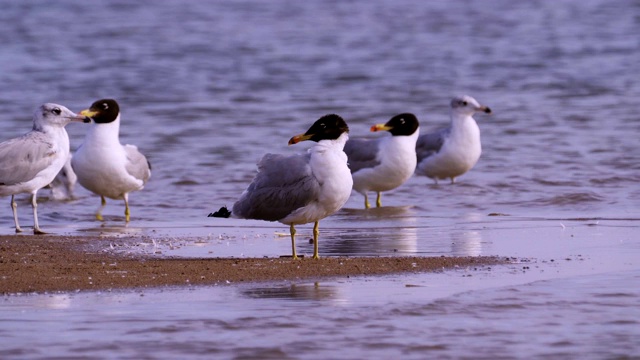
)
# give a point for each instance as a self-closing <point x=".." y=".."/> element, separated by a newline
<point x="31" y="161"/>
<point x="452" y="151"/>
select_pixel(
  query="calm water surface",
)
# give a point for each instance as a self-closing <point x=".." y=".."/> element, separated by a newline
<point x="206" y="88"/>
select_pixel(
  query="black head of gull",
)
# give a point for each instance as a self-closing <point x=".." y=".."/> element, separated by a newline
<point x="302" y="188"/>
<point x="385" y="163"/>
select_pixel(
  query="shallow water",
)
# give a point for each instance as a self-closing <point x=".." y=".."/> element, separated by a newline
<point x="207" y="88"/>
<point x="575" y="295"/>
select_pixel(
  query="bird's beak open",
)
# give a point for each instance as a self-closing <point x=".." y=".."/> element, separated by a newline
<point x="381" y="127"/>
<point x="485" y="109"/>
<point x="301" y="137"/>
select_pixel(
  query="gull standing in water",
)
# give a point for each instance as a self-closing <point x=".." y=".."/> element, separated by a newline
<point x="385" y="163"/>
<point x="452" y="151"/>
<point x="302" y="188"/>
<point x="31" y="161"/>
<point x="102" y="164"/>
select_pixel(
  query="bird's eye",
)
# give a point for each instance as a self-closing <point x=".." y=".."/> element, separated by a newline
<point x="463" y="103"/>
<point x="56" y="111"/>
<point x="402" y="121"/>
<point x="105" y="106"/>
<point x="324" y="126"/>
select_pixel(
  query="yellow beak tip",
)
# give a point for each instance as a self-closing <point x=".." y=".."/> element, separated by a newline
<point x="380" y="127"/>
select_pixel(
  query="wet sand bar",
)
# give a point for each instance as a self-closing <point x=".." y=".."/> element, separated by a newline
<point x="60" y="263"/>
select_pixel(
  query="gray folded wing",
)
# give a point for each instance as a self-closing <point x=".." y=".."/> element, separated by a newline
<point x="362" y="153"/>
<point x="431" y="143"/>
<point x="137" y="164"/>
<point x="22" y="158"/>
<point x="282" y="185"/>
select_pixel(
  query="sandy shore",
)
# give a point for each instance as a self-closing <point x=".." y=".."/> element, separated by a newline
<point x="60" y="263"/>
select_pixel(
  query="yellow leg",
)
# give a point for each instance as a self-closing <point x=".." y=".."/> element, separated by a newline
<point x="14" y="207"/>
<point x="366" y="202"/>
<point x="316" y="235"/>
<point x="103" y="203"/>
<point x="293" y="242"/>
<point x="379" y="200"/>
<point x="127" y="214"/>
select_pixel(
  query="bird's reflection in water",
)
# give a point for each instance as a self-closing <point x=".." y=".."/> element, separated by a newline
<point x="388" y="230"/>
<point x="466" y="243"/>
<point x="115" y="230"/>
<point x="384" y="212"/>
<point x="52" y="301"/>
<point x="304" y="292"/>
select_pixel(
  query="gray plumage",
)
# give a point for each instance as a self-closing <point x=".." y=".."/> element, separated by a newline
<point x="431" y="143"/>
<point x="362" y="153"/>
<point x="137" y="164"/>
<point x="105" y="166"/>
<point x="282" y="185"/>
<point x="452" y="152"/>
<point x="300" y="189"/>
<point x="22" y="158"/>
<point x="63" y="184"/>
<point x="30" y="162"/>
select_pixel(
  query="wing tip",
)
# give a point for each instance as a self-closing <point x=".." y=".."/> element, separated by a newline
<point x="223" y="212"/>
